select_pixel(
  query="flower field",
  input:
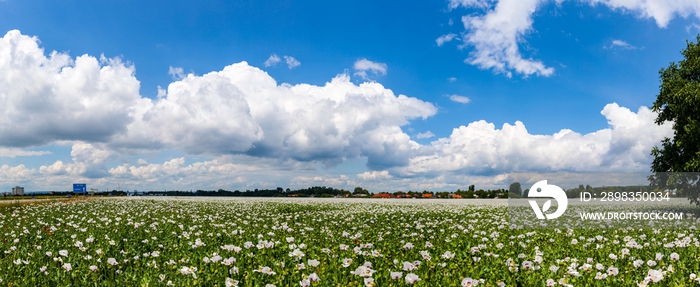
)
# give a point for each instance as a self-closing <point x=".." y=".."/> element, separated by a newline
<point x="283" y="242"/>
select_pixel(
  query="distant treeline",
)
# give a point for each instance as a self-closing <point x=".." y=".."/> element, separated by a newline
<point x="323" y="191"/>
<point x="514" y="190"/>
<point x="317" y="191"/>
<point x="472" y="192"/>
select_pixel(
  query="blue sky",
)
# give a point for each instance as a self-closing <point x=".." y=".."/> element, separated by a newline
<point x="567" y="77"/>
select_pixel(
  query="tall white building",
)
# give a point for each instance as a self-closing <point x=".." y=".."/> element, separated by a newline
<point x="18" y="190"/>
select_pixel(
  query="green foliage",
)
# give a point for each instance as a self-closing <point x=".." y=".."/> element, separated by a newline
<point x="678" y="101"/>
<point x="515" y="188"/>
<point x="490" y="193"/>
<point x="360" y="190"/>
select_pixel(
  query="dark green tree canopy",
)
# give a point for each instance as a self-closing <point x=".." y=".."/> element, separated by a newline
<point x="678" y="101"/>
<point x="360" y="190"/>
<point x="515" y="188"/>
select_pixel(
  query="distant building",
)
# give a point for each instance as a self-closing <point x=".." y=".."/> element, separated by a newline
<point x="18" y="190"/>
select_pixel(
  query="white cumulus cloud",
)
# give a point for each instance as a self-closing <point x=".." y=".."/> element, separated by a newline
<point x="242" y="110"/>
<point x="16" y="175"/>
<point x="95" y="105"/>
<point x="363" y="66"/>
<point x="88" y="161"/>
<point x="248" y="125"/>
<point x="482" y="148"/>
<point x="45" y="99"/>
<point x="374" y="175"/>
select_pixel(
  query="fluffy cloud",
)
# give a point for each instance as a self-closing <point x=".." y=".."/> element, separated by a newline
<point x="495" y="38"/>
<point x="172" y="172"/>
<point x="444" y="39"/>
<point x="425" y="135"/>
<point x="480" y="148"/>
<point x="199" y="114"/>
<point x="44" y="99"/>
<point x="176" y="72"/>
<point x="15" y="175"/>
<point x="495" y="34"/>
<point x="242" y="110"/>
<point x="239" y="110"/>
<point x="229" y="172"/>
<point x="375" y="175"/>
<point x="246" y="123"/>
<point x="362" y="66"/>
<point x="291" y="62"/>
<point x="661" y="10"/>
<point x="474" y="154"/>
<point x="88" y="162"/>
<point x="272" y="60"/>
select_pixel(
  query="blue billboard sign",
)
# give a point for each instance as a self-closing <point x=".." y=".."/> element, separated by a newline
<point x="79" y="187"/>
